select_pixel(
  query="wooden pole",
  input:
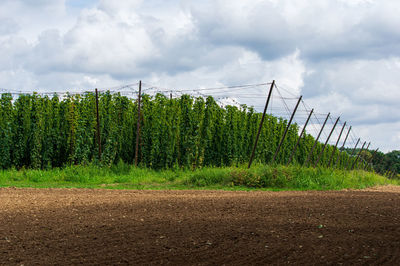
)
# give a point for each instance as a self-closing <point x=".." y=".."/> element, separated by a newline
<point x="394" y="174"/>
<point x="316" y="141"/>
<point x="298" y="140"/>
<point x="362" y="162"/>
<point x="366" y="150"/>
<point x="380" y="163"/>
<point x="326" y="142"/>
<point x="98" y="125"/>
<point x="337" y="142"/>
<point x="286" y="130"/>
<point x="138" y="124"/>
<point x="352" y="153"/>
<point x="261" y="124"/>
<point x="341" y="148"/>
<point x="358" y="155"/>
<point x="370" y="159"/>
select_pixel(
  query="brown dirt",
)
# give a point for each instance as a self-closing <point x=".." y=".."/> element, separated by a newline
<point x="75" y="226"/>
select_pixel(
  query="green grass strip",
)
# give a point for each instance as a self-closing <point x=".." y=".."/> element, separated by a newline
<point x="259" y="177"/>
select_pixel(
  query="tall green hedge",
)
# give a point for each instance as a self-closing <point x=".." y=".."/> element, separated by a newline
<point x="43" y="132"/>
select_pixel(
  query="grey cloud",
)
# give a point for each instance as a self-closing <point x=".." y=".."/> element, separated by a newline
<point x="101" y="43"/>
<point x="329" y="29"/>
<point x="38" y="3"/>
<point x="260" y="28"/>
<point x="13" y="51"/>
<point x="8" y="26"/>
<point x="47" y="55"/>
<point x="344" y="58"/>
<point x="363" y="81"/>
<point x="221" y="29"/>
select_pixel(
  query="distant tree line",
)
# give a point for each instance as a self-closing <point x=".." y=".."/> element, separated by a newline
<point x="383" y="163"/>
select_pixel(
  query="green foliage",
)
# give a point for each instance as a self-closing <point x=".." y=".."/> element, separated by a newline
<point x="387" y="163"/>
<point x="6" y="130"/>
<point x="190" y="133"/>
<point x="296" y="177"/>
<point x="208" y="177"/>
<point x="122" y="175"/>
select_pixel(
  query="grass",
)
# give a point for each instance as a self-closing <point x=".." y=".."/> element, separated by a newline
<point x="261" y="177"/>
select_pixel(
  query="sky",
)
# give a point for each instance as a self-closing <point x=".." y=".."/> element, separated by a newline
<point x="343" y="56"/>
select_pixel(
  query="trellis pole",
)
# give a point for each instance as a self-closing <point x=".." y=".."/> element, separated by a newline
<point x="261" y="124"/>
<point x="352" y="153"/>
<point x="341" y="148"/>
<point x="98" y="125"/>
<point x="326" y="142"/>
<point x="286" y="130"/>
<point x="299" y="139"/>
<point x="138" y="124"/>
<point x="358" y="155"/>
<point x="370" y="159"/>
<point x="337" y="142"/>
<point x="316" y="141"/>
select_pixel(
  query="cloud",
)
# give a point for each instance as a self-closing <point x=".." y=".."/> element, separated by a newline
<point x="363" y="92"/>
<point x="17" y="79"/>
<point x="369" y="85"/>
<point x="127" y="40"/>
<point x="255" y="25"/>
<point x="321" y="30"/>
<point x="12" y="52"/>
<point x="97" y="44"/>
<point x="382" y="136"/>
<point x="8" y="26"/>
<point x="244" y="66"/>
<point x="343" y="56"/>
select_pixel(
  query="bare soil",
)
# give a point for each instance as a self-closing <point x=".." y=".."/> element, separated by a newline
<point x="95" y="226"/>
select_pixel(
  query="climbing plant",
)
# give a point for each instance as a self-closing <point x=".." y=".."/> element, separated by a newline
<point x="188" y="132"/>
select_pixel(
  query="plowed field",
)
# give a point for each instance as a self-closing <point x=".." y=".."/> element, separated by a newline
<point x="83" y="226"/>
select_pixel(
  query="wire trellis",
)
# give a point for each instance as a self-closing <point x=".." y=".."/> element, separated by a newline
<point x="238" y="95"/>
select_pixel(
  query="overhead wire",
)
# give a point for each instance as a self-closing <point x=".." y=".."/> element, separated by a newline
<point x="286" y="90"/>
<point x="335" y="132"/>
<point x="218" y="88"/>
<point x="284" y="102"/>
<point x="301" y="114"/>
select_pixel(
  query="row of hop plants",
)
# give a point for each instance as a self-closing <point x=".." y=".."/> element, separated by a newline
<point x="186" y="132"/>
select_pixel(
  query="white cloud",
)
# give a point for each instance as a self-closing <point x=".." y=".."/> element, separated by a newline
<point x="30" y="18"/>
<point x="17" y="79"/>
<point x="342" y="55"/>
<point x="12" y="52"/>
<point x="320" y="29"/>
<point x="366" y="84"/>
<point x="363" y="92"/>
